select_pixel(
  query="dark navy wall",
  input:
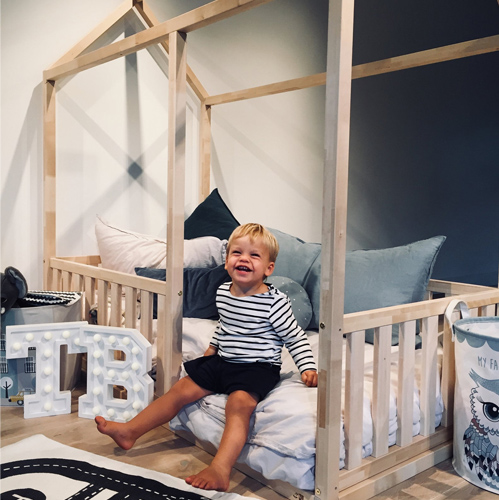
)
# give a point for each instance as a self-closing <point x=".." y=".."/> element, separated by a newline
<point x="424" y="156"/>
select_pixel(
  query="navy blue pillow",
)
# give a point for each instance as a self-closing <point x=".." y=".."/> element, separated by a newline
<point x="212" y="217"/>
<point x="200" y="289"/>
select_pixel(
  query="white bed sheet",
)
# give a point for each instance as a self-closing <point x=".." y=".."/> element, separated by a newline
<point x="281" y="443"/>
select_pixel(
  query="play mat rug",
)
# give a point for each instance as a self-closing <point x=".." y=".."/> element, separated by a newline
<point x="38" y="468"/>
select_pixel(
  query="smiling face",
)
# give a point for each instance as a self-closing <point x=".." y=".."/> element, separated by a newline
<point x="248" y="264"/>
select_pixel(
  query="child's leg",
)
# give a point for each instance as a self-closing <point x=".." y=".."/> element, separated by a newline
<point x="159" y="412"/>
<point x="238" y="410"/>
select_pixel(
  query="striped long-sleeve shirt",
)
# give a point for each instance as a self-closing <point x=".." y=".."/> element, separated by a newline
<point x="254" y="329"/>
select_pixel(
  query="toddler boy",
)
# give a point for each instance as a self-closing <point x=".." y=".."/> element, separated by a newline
<point x="243" y="359"/>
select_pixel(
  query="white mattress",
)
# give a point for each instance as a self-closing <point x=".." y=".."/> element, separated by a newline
<point x="281" y="443"/>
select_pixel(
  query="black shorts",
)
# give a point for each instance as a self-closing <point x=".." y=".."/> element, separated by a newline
<point x="223" y="377"/>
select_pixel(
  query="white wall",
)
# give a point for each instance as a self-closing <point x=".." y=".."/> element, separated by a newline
<point x="112" y="124"/>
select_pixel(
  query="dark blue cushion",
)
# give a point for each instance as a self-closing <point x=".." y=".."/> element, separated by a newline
<point x="200" y="289"/>
<point x="212" y="217"/>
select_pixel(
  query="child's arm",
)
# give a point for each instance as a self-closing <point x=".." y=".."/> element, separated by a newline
<point x="210" y="351"/>
<point x="309" y="378"/>
<point x="213" y="347"/>
<point x="295" y="340"/>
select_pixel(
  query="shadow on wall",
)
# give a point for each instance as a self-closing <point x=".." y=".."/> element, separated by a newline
<point x="26" y="164"/>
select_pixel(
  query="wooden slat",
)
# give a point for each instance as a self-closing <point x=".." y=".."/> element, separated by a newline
<point x="91" y="260"/>
<point x="407" y="312"/>
<point x="76" y="285"/>
<point x="116" y="317"/>
<point x="453" y="288"/>
<point x="422" y="58"/>
<point x="381" y="389"/>
<point x="448" y="377"/>
<point x="489" y="310"/>
<point x="204" y="151"/>
<point x="100" y="273"/>
<point x="98" y="31"/>
<point x="270" y="89"/>
<point x="49" y="184"/>
<point x="103" y="303"/>
<point x="172" y="354"/>
<point x="354" y="398"/>
<point x="426" y="57"/>
<point x="190" y="21"/>
<point x="335" y="194"/>
<point x="89" y="296"/>
<point x="130" y="307"/>
<point x="146" y="306"/>
<point x="67" y="281"/>
<point x="428" y="395"/>
<point x="405" y="382"/>
<point x="164" y="341"/>
<point x="145" y="12"/>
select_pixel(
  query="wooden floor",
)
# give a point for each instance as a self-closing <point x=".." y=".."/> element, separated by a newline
<point x="162" y="451"/>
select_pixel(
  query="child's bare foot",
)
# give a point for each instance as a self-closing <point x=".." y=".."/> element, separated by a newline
<point x="117" y="431"/>
<point x="210" y="478"/>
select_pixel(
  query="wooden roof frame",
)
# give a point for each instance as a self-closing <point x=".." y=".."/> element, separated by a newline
<point x="171" y="34"/>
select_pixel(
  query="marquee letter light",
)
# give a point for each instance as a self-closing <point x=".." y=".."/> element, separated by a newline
<point x="104" y="371"/>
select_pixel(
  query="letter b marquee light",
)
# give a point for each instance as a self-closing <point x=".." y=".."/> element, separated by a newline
<point x="104" y="370"/>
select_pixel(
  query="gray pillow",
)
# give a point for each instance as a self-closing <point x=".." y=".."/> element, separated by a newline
<point x="381" y="278"/>
<point x="296" y="257"/>
<point x="373" y="278"/>
<point x="300" y="303"/>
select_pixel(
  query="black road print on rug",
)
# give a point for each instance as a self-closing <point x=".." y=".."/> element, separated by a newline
<point x="95" y="481"/>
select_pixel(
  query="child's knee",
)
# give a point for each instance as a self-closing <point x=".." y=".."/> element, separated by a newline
<point x="241" y="402"/>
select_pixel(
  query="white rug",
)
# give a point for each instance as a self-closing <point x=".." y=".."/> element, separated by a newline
<point x="38" y="468"/>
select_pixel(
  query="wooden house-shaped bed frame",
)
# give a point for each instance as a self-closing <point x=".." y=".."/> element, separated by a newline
<point x="360" y="478"/>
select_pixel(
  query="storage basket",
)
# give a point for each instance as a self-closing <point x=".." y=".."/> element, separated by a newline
<point x="476" y="400"/>
<point x="18" y="376"/>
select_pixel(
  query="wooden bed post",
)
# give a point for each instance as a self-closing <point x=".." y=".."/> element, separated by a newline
<point x="204" y="151"/>
<point x="334" y="219"/>
<point x="170" y="350"/>
<point x="49" y="186"/>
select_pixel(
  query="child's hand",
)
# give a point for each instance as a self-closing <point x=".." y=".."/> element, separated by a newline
<point x="309" y="378"/>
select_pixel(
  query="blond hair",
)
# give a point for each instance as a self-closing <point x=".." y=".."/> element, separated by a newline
<point x="255" y="231"/>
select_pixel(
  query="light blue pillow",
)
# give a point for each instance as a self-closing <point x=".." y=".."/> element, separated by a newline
<point x="296" y="257"/>
<point x="381" y="278"/>
<point x="373" y="278"/>
<point x="300" y="302"/>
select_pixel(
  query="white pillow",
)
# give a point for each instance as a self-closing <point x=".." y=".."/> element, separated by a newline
<point x="123" y="250"/>
<point x="206" y="251"/>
